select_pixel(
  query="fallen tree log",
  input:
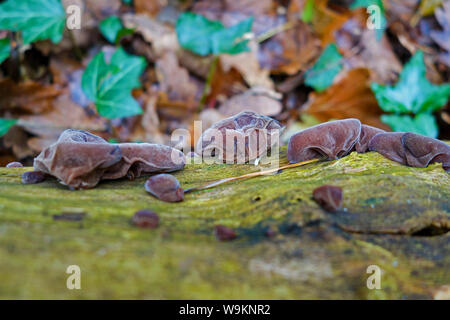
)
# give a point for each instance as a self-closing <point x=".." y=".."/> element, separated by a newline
<point x="394" y="217"/>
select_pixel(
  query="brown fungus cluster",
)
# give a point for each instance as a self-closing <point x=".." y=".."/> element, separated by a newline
<point x="331" y="140"/>
<point x="336" y="139"/>
<point x="80" y="159"/>
<point x="412" y="149"/>
<point x="243" y="137"/>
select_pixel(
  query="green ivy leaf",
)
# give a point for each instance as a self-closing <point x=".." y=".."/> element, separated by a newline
<point x="110" y="28"/>
<point x="322" y="74"/>
<point x="36" y="19"/>
<point x="424" y="123"/>
<point x="194" y="32"/>
<point x="5" y="124"/>
<point x="109" y="86"/>
<point x="308" y="11"/>
<point x="203" y="36"/>
<point x="413" y="93"/>
<point x="5" y="48"/>
<point x="230" y="40"/>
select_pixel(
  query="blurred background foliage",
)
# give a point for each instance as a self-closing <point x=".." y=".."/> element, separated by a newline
<point x="136" y="70"/>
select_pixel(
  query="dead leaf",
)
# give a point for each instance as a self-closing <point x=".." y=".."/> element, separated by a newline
<point x="224" y="85"/>
<point x="197" y="65"/>
<point x="290" y="51"/>
<point x="64" y="114"/>
<point x="326" y="21"/>
<point x="28" y="97"/>
<point x="402" y="10"/>
<point x="350" y="97"/>
<point x="361" y="49"/>
<point x="17" y="139"/>
<point x="258" y="99"/>
<point x="175" y="80"/>
<point x="442" y="38"/>
<point x="151" y="124"/>
<point x="162" y="37"/>
<point x="151" y="8"/>
<point x="247" y="64"/>
<point x="67" y="72"/>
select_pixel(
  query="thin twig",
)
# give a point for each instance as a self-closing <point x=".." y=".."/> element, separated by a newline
<point x="251" y="175"/>
<point x="274" y="31"/>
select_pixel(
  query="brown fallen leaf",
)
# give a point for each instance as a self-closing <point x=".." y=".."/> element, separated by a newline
<point x="402" y="10"/>
<point x="162" y="37"/>
<point x="247" y="64"/>
<point x="26" y="97"/>
<point x="157" y="38"/>
<point x="290" y="51"/>
<point x="17" y="139"/>
<point x="224" y="84"/>
<point x="326" y="20"/>
<point x="442" y="38"/>
<point x="64" y="114"/>
<point x="258" y="99"/>
<point x="361" y="49"/>
<point x="175" y="80"/>
<point x="349" y="97"/>
<point x="67" y="72"/>
<point x="151" y="8"/>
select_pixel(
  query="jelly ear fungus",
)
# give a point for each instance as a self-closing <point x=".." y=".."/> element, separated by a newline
<point x="331" y="140"/>
<point x="80" y="159"/>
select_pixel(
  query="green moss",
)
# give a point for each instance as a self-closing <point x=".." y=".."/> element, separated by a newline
<point x="315" y="255"/>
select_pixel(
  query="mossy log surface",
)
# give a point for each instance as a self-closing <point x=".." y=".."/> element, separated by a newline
<point x="395" y="217"/>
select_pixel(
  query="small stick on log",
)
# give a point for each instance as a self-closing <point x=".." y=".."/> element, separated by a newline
<point x="250" y="175"/>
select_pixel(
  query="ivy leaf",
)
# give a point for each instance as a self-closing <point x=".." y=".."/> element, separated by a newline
<point x="194" y="32"/>
<point x="36" y="19"/>
<point x="308" y="12"/>
<point x="5" y="47"/>
<point x="93" y="75"/>
<point x="322" y="74"/>
<point x="203" y="36"/>
<point x="230" y="40"/>
<point x="413" y="93"/>
<point x="113" y="30"/>
<point x="109" y="86"/>
<point x="110" y="28"/>
<point x="424" y="123"/>
<point x="5" y="124"/>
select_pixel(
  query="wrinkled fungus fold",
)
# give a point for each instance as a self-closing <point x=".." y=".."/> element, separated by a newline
<point x="411" y="149"/>
<point x="335" y="139"/>
<point x="332" y="140"/>
<point x="81" y="160"/>
<point x="241" y="138"/>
